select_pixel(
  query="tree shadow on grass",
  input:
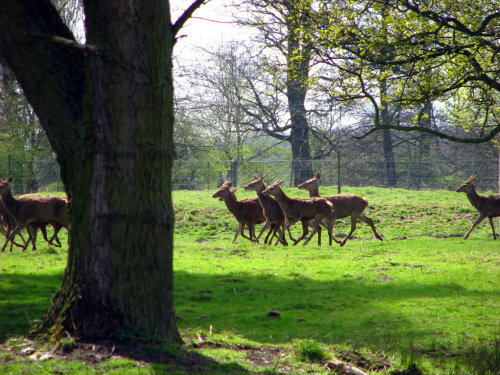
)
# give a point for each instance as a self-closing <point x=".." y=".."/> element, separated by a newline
<point x="24" y="298"/>
<point x="273" y="310"/>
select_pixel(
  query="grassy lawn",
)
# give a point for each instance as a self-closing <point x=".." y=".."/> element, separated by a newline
<point x="423" y="296"/>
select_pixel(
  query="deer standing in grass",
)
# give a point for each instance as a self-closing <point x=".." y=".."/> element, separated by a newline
<point x="275" y="218"/>
<point x="344" y="205"/>
<point x="246" y="211"/>
<point x="31" y="211"/>
<point x="301" y="209"/>
<point x="487" y="205"/>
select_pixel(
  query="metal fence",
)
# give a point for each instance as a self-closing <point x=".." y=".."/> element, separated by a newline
<point x="410" y="174"/>
<point x="33" y="176"/>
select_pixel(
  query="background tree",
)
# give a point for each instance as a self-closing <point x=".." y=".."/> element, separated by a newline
<point x="107" y="109"/>
<point x="280" y="24"/>
<point x="427" y="52"/>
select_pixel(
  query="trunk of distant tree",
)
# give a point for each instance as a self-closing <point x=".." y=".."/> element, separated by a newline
<point x="107" y="109"/>
<point x="299" y="140"/>
<point x="298" y="60"/>
<point x="390" y="164"/>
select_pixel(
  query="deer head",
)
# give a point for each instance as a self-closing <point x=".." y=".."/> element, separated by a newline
<point x="467" y="185"/>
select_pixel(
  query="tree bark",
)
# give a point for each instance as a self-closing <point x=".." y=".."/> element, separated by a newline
<point x="107" y="109"/>
<point x="390" y="164"/>
<point x="298" y="60"/>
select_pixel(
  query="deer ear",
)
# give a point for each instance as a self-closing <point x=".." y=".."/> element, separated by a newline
<point x="317" y="175"/>
<point x="280" y="181"/>
<point x="265" y="175"/>
<point x="255" y="177"/>
<point x="9" y="180"/>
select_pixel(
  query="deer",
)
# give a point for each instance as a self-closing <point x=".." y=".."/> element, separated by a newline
<point x="31" y="211"/>
<point x="301" y="209"/>
<point x="7" y="223"/>
<point x="345" y="205"/>
<point x="487" y="205"/>
<point x="275" y="218"/>
<point x="246" y="211"/>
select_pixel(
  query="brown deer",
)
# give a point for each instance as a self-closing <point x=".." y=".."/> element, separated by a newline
<point x="275" y="218"/>
<point x="301" y="209"/>
<point x="33" y="210"/>
<point x="246" y="211"/>
<point x="344" y="205"/>
<point x="487" y="205"/>
<point x="7" y="223"/>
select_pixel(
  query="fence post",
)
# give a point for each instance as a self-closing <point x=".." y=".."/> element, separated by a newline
<point x="338" y="173"/>
<point x="234" y="172"/>
<point x="208" y="175"/>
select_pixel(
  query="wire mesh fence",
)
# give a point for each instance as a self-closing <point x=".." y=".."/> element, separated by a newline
<point x="410" y="174"/>
<point x="34" y="176"/>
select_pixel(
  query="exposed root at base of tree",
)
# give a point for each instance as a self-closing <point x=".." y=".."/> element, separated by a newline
<point x="186" y="358"/>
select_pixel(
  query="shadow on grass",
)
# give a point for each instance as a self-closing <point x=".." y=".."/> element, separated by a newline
<point x="270" y="309"/>
<point x="24" y="298"/>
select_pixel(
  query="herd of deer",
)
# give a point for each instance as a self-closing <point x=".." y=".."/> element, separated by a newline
<point x="279" y="212"/>
<point x="30" y="211"/>
<point x="271" y="206"/>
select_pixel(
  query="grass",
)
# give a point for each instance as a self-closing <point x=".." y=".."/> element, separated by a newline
<point x="423" y="299"/>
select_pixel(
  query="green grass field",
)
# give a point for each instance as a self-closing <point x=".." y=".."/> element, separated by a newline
<point x="423" y="297"/>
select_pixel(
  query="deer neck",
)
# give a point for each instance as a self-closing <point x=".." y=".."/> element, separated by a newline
<point x="282" y="198"/>
<point x="10" y="203"/>
<point x="314" y="191"/>
<point x="474" y="198"/>
<point x="231" y="203"/>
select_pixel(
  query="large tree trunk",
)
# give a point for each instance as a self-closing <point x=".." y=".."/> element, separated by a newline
<point x="298" y="60"/>
<point x="108" y="113"/>
<point x="390" y="164"/>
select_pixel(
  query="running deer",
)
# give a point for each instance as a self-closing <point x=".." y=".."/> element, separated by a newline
<point x="301" y="209"/>
<point x="487" y="205"/>
<point x="344" y="205"/>
<point x="246" y="211"/>
<point x="275" y="219"/>
<point x="32" y="210"/>
<point x="7" y="224"/>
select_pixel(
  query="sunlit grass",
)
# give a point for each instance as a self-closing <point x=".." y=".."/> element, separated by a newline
<point x="423" y="295"/>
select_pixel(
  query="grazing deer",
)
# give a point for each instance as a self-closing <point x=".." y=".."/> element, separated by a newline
<point x="275" y="218"/>
<point x="487" y="205"/>
<point x="246" y="211"/>
<point x="33" y="210"/>
<point x="301" y="209"/>
<point x="344" y="205"/>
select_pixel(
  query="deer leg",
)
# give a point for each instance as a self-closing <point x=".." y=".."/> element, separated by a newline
<point x="493" y="227"/>
<point x="237" y="231"/>
<point x="57" y="227"/>
<point x="369" y="221"/>
<point x="305" y="231"/>
<point x="330" y="220"/>
<point x="315" y="230"/>
<point x="354" y="220"/>
<point x="31" y="237"/>
<point x="286" y="226"/>
<point x="266" y="225"/>
<point x="242" y="232"/>
<point x="271" y="233"/>
<point x="479" y="219"/>
<point x="6" y="231"/>
<point x="283" y="240"/>
<point x="251" y="230"/>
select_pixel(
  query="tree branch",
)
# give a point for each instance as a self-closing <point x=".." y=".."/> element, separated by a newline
<point x="187" y="15"/>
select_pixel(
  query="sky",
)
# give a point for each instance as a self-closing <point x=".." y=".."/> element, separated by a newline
<point x="211" y="24"/>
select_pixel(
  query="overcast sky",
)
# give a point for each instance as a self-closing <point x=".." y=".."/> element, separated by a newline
<point x="211" y="24"/>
